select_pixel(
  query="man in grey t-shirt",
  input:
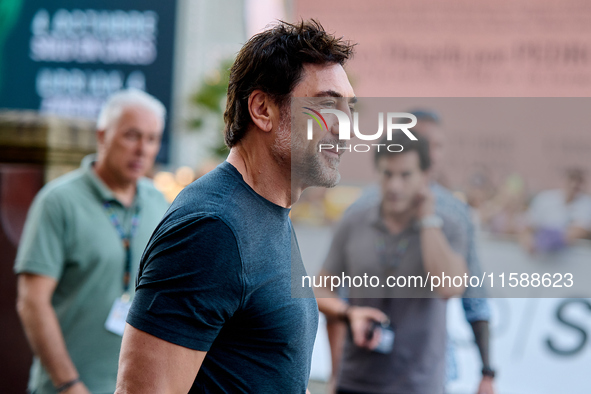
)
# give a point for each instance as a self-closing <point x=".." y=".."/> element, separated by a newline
<point x="401" y="235"/>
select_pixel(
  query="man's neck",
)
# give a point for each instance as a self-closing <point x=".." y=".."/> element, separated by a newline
<point x="262" y="173"/>
<point x="397" y="222"/>
<point x="124" y="191"/>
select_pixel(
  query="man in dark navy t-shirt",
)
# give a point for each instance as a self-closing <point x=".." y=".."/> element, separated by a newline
<point x="213" y="310"/>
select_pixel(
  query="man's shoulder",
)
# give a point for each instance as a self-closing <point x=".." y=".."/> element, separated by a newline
<point x="222" y="194"/>
<point x="446" y="196"/>
<point x="208" y="195"/>
<point x="370" y="195"/>
<point x="549" y="195"/>
<point x="449" y="206"/>
<point x="151" y="193"/>
<point x="585" y="200"/>
<point x="63" y="188"/>
<point x="582" y="205"/>
<point x="213" y="196"/>
<point x="361" y="211"/>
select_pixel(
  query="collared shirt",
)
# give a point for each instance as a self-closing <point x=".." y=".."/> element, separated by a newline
<point x="363" y="245"/>
<point x="68" y="236"/>
<point x="446" y="204"/>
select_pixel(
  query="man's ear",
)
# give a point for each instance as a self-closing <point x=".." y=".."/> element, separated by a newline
<point x="263" y="111"/>
<point x="101" y="139"/>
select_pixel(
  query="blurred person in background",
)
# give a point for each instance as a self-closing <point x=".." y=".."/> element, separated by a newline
<point x="476" y="309"/>
<point x="504" y="212"/>
<point x="557" y="218"/>
<point x="81" y="246"/>
<point x="478" y="192"/>
<point x="400" y="234"/>
<point x="213" y="310"/>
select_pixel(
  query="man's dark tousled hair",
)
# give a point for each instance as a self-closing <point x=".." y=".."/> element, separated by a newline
<point x="273" y="62"/>
<point x="421" y="146"/>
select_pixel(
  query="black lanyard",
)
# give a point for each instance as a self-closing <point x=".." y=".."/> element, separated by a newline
<point x="125" y="238"/>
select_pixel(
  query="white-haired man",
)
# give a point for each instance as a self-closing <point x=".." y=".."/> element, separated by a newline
<point x="81" y="246"/>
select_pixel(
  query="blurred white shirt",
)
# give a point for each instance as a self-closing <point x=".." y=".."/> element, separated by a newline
<point x="550" y="210"/>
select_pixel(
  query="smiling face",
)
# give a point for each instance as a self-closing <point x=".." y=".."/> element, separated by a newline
<point x="321" y="87"/>
<point x="401" y="181"/>
<point x="128" y="146"/>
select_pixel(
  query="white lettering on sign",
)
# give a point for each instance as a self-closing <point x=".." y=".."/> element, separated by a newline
<point x="94" y="36"/>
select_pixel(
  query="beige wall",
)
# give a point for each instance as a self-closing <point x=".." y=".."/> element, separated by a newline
<point x="461" y="48"/>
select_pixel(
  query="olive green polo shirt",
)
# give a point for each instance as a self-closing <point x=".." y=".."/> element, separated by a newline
<point x="69" y="236"/>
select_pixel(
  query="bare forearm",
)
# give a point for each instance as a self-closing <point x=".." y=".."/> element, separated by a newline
<point x="148" y="364"/>
<point x="332" y="307"/>
<point x="575" y="233"/>
<point x="359" y="318"/>
<point x="46" y="339"/>
<point x="438" y="257"/>
<point x="335" y="311"/>
<point x="337" y="332"/>
<point x="481" y="336"/>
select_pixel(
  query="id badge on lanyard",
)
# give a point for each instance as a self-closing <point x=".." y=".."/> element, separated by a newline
<point x="116" y="320"/>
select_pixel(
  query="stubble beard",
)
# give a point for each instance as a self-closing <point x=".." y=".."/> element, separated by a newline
<point x="307" y="167"/>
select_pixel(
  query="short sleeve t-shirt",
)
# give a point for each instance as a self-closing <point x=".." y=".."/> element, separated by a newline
<point x="216" y="277"/>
